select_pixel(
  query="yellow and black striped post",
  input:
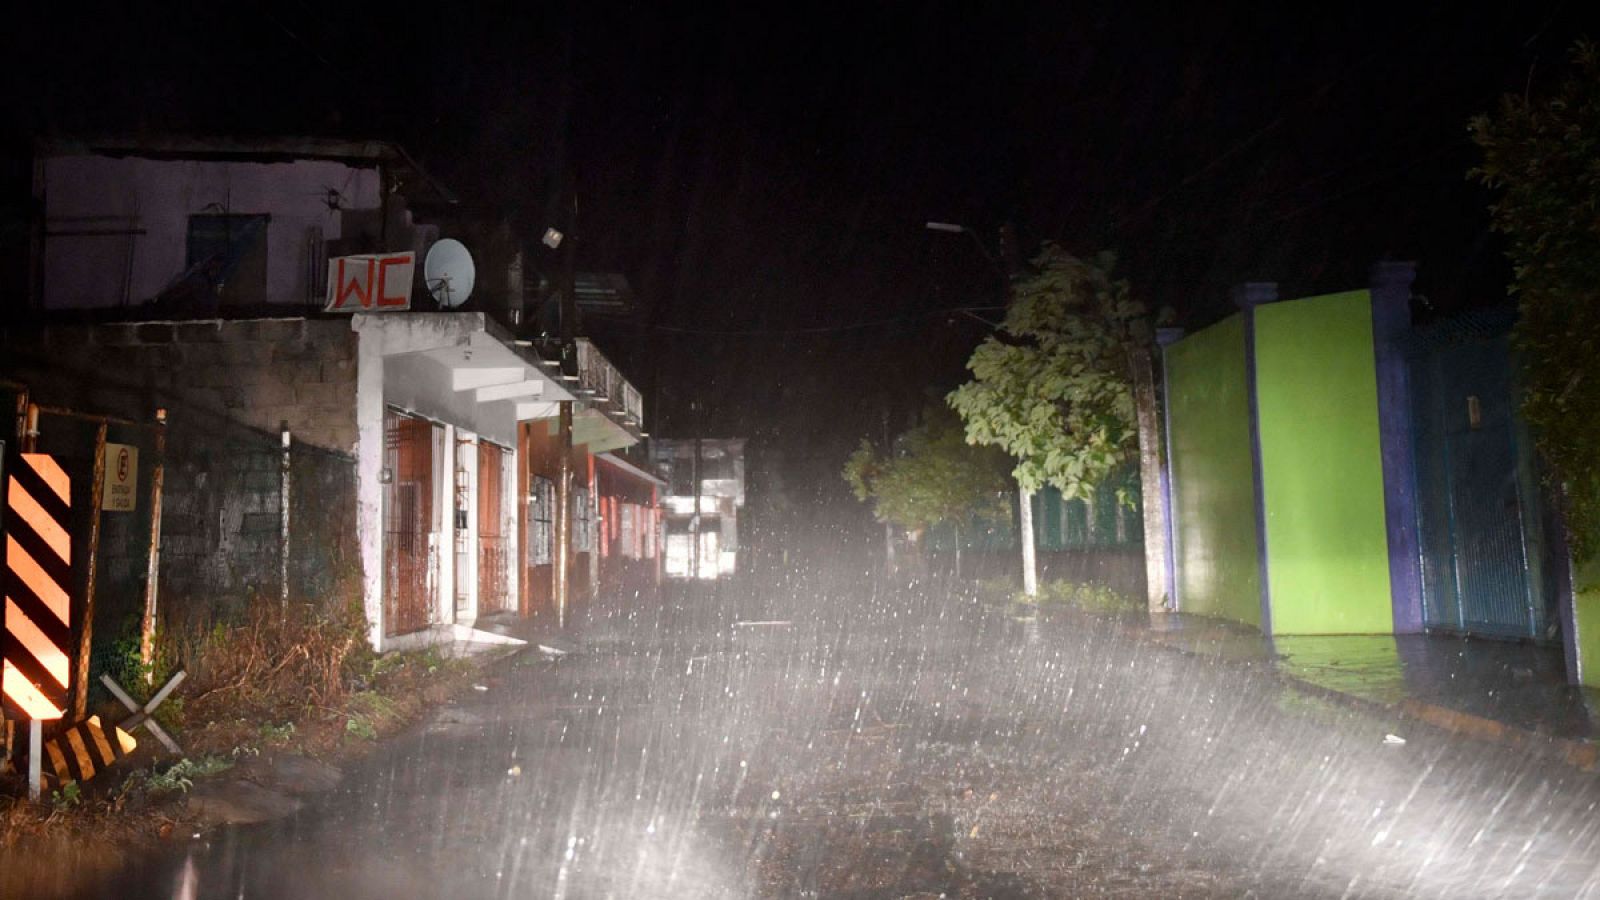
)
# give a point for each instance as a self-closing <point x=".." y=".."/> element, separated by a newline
<point x="82" y="751"/>
<point x="36" y="642"/>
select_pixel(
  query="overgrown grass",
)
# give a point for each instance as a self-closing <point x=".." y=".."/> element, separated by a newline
<point x="278" y="661"/>
<point x="277" y="734"/>
<point x="1089" y="597"/>
<point x="286" y="680"/>
<point x="1000" y="589"/>
<point x="369" y="712"/>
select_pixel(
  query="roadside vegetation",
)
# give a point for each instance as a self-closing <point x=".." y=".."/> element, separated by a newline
<point x="286" y="681"/>
<point x="1541" y="163"/>
<point x="1059" y="594"/>
<point x="930" y="476"/>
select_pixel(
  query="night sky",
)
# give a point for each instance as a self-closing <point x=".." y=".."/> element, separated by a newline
<point x="763" y="178"/>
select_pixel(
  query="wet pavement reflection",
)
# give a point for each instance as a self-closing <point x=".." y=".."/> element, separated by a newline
<point x="827" y="738"/>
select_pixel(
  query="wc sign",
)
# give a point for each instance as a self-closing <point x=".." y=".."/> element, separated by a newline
<point x="120" y="490"/>
<point x="372" y="283"/>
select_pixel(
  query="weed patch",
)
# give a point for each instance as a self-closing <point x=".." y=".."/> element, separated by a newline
<point x="278" y="661"/>
<point x="180" y="776"/>
<point x="1089" y="597"/>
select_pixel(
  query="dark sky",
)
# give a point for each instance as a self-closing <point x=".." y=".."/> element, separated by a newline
<point x="763" y="177"/>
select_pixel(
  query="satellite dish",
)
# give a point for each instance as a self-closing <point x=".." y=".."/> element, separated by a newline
<point x="448" y="273"/>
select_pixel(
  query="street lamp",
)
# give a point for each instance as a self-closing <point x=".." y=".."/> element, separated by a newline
<point x="1030" y="576"/>
<point x="953" y="228"/>
<point x="994" y="261"/>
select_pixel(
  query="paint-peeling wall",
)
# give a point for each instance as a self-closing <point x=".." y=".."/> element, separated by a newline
<point x="118" y="227"/>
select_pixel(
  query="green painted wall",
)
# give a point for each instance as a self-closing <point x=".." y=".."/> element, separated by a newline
<point x="1212" y="480"/>
<point x="1586" y="609"/>
<point x="1321" y="467"/>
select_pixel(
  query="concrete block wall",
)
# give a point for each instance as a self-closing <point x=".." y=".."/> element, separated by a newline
<point x="255" y="373"/>
<point x="220" y="526"/>
<point x="227" y="386"/>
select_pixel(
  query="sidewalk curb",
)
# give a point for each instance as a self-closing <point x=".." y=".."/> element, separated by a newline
<point x="1580" y="754"/>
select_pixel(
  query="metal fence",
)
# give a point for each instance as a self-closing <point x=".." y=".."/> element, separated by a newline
<point x="246" y="517"/>
<point x="1060" y="524"/>
<point x="1478" y="504"/>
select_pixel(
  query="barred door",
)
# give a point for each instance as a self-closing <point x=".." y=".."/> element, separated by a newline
<point x="408" y="522"/>
<point x="1477" y="497"/>
<point x="494" y="588"/>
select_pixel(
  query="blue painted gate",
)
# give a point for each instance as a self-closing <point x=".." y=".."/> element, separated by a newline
<point x="1477" y="490"/>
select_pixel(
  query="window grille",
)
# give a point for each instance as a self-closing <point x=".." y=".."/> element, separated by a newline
<point x="541" y="521"/>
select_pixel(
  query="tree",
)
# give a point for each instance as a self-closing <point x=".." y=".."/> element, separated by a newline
<point x="1053" y="388"/>
<point x="1541" y="157"/>
<point x="930" y="476"/>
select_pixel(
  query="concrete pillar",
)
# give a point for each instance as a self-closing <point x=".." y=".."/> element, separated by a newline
<point x="561" y="557"/>
<point x="511" y="506"/>
<point x="1157" y="552"/>
<point x="594" y="531"/>
<point x="1166" y="337"/>
<point x="468" y="612"/>
<point x="1247" y="297"/>
<point x="444" y="498"/>
<point x="370" y="480"/>
<point x="1390" y="287"/>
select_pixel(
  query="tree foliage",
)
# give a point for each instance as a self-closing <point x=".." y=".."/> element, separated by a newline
<point x="1053" y="388"/>
<point x="1541" y="157"/>
<point x="931" y="475"/>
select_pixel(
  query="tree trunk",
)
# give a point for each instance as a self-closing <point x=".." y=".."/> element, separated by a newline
<point x="888" y="551"/>
<point x="1030" y="567"/>
<point x="916" y="555"/>
<point x="957" y="528"/>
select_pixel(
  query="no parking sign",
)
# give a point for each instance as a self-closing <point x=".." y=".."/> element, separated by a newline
<point x="121" y="492"/>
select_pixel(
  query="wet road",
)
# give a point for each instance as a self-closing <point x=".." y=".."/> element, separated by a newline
<point x="914" y="745"/>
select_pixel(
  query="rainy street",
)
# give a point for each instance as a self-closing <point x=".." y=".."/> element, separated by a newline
<point x="942" y="450"/>
<point x="818" y="738"/>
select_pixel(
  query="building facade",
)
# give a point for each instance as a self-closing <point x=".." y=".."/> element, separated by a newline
<point x="192" y="276"/>
<point x="705" y="493"/>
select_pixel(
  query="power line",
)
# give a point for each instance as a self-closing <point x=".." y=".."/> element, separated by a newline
<point x="817" y="329"/>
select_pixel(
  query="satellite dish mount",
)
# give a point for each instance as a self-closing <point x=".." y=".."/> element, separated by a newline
<point x="449" y="273"/>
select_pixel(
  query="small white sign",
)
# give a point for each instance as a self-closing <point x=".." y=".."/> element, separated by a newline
<point x="374" y="283"/>
<point x="120" y="491"/>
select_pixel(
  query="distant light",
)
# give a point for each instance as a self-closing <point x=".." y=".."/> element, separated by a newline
<point x="552" y="238"/>
<point x="946" y="226"/>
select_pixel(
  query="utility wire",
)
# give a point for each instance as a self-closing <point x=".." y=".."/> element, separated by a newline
<point x="817" y="329"/>
<point x="1290" y="108"/>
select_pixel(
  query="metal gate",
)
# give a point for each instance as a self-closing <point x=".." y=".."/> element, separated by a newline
<point x="1477" y="492"/>
<point x="408" y="522"/>
<point x="494" y="572"/>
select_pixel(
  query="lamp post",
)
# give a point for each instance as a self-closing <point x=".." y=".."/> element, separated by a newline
<point x="1006" y="265"/>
